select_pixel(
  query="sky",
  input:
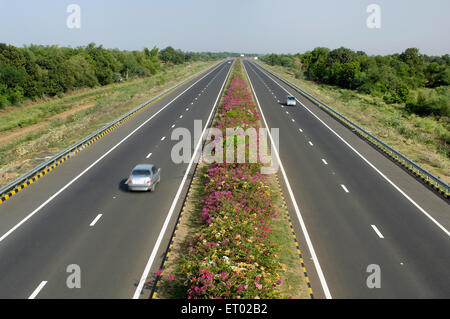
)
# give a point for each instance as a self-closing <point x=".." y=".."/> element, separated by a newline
<point x="247" y="26"/>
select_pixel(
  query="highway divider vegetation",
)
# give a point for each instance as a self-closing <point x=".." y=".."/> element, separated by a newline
<point x="404" y="99"/>
<point x="234" y="253"/>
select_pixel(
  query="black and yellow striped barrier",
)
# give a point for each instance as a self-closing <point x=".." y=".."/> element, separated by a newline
<point x="294" y="237"/>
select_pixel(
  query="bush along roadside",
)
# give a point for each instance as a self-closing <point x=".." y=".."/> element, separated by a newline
<point x="233" y="251"/>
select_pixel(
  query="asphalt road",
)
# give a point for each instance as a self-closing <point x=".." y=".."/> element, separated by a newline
<point x="82" y="214"/>
<point x="354" y="216"/>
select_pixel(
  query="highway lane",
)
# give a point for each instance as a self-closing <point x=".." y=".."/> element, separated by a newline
<point x="111" y="249"/>
<point x="354" y="217"/>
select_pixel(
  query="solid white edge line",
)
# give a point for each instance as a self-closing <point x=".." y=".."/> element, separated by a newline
<point x="95" y="220"/>
<point x="294" y="202"/>
<point x="98" y="160"/>
<point x="377" y="231"/>
<point x="155" y="249"/>
<point x="423" y="211"/>
<point x="37" y="290"/>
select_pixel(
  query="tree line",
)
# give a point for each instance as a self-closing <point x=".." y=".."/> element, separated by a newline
<point x="37" y="71"/>
<point x="418" y="81"/>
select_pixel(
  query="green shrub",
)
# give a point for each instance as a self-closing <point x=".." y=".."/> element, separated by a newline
<point x="431" y="103"/>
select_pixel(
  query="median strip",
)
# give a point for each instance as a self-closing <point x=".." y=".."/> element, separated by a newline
<point x="233" y="239"/>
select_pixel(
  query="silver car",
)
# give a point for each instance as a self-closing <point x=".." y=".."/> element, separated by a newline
<point x="144" y="177"/>
<point x="290" y="100"/>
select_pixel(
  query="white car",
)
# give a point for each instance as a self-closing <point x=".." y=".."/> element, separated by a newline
<point x="144" y="177"/>
<point x="290" y="100"/>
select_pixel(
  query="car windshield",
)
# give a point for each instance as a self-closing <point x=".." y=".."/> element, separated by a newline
<point x="291" y="98"/>
<point x="140" y="172"/>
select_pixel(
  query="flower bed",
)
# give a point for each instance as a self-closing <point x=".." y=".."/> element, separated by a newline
<point x="232" y="255"/>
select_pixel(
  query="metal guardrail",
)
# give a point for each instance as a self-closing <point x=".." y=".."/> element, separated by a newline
<point x="429" y="176"/>
<point x="12" y="185"/>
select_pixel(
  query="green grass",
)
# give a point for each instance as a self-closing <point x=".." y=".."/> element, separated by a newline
<point x="189" y="225"/>
<point x="23" y="116"/>
<point x="294" y="283"/>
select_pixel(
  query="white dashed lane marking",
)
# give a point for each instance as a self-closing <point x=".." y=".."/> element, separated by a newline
<point x="37" y="290"/>
<point x="377" y="231"/>
<point x="97" y="218"/>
